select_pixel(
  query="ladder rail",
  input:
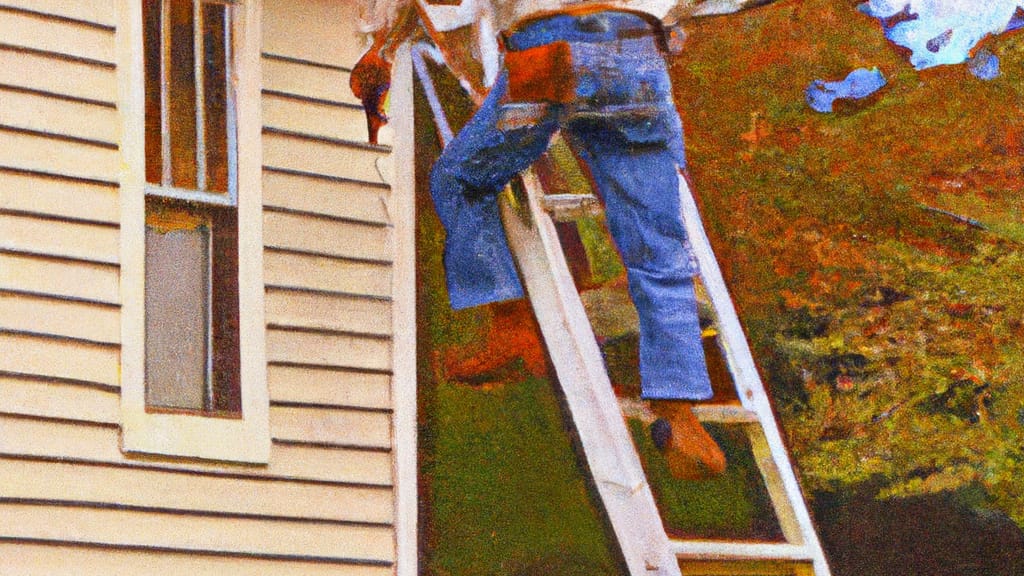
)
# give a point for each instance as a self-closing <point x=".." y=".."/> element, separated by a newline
<point x="614" y="463"/>
<point x="729" y="550"/>
<point x="800" y="528"/>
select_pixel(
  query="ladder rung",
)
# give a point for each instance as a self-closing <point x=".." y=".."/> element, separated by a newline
<point x="728" y="550"/>
<point x="724" y="414"/>
<point x="570" y="207"/>
<point x="718" y="413"/>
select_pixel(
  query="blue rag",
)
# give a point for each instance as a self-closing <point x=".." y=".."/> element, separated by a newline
<point x="860" y="83"/>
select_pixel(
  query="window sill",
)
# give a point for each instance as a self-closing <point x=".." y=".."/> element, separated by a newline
<point x="197" y="436"/>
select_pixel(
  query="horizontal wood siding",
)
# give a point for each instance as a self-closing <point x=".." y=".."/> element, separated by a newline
<point x="335" y="198"/>
<point x="68" y="118"/>
<point x="40" y="32"/>
<point x="329" y="387"/>
<point x="328" y="312"/>
<point x="43" y="356"/>
<point x="324" y="119"/>
<point x="71" y="501"/>
<point x="59" y="245"/>
<point x="53" y="237"/>
<point x="59" y="210"/>
<point x="63" y="78"/>
<point x="63" y="318"/>
<point x="114" y="526"/>
<point x="328" y="350"/>
<point x="315" y="235"/>
<point x="59" y="277"/>
<point x="40" y="152"/>
<point x="41" y="558"/>
<point x="97" y="442"/>
<point x="99" y="13"/>
<point x="329" y="30"/>
<point x="312" y="155"/>
<point x="58" y="197"/>
<point x="332" y="426"/>
<point x="325" y="274"/>
<point x="100" y="485"/>
<point x="43" y="398"/>
<point x="88" y="401"/>
<point x="327" y="233"/>
<point x="303" y="81"/>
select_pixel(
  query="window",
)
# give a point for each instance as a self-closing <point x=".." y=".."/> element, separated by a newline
<point x="193" y="364"/>
<point x="191" y="290"/>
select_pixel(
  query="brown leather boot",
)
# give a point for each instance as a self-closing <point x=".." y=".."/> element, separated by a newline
<point x="691" y="453"/>
<point x="512" y="333"/>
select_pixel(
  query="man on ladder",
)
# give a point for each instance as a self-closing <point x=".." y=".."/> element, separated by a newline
<point x="596" y="71"/>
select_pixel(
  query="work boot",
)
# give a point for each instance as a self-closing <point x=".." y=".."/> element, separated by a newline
<point x="691" y="453"/>
<point x="512" y="334"/>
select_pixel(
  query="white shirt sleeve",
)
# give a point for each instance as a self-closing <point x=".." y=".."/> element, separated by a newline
<point x="445" y="17"/>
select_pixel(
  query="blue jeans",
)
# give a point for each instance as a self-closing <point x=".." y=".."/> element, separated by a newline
<point x="624" y="126"/>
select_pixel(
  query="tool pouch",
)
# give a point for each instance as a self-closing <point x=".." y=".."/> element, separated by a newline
<point x="541" y="74"/>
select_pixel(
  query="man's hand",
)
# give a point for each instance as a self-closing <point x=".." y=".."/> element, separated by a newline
<point x="370" y="81"/>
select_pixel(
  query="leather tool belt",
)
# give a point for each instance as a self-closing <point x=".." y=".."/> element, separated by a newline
<point x="541" y="74"/>
<point x="545" y="73"/>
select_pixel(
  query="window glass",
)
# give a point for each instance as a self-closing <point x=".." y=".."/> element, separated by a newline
<point x="182" y="94"/>
<point x="188" y="97"/>
<point x="215" y="96"/>
<point x="177" y="304"/>
<point x="193" y="382"/>
<point x="191" y="277"/>
<point x="226" y="363"/>
<point x="152" y="47"/>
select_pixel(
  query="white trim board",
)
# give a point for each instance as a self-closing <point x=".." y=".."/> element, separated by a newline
<point x="402" y="209"/>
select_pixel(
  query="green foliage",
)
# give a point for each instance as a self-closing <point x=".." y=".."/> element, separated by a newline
<point x="604" y="261"/>
<point x="934" y="403"/>
<point x="888" y="334"/>
<point x="888" y="331"/>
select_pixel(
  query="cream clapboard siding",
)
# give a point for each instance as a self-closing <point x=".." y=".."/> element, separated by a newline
<point x="327" y="235"/>
<point x="30" y="559"/>
<point x="59" y="166"/>
<point x="70" y="500"/>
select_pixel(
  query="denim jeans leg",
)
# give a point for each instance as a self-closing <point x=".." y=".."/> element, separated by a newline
<point x="639" y="184"/>
<point x="464" y="184"/>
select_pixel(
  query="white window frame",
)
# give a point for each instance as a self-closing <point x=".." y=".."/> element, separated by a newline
<point x="244" y="439"/>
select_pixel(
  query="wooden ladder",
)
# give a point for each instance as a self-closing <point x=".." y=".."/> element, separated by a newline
<point x="596" y="413"/>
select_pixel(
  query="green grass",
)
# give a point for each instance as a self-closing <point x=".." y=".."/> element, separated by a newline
<point x="734" y="505"/>
<point x="506" y="494"/>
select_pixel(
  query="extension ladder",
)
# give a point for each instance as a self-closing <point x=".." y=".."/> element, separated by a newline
<point x="614" y="464"/>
